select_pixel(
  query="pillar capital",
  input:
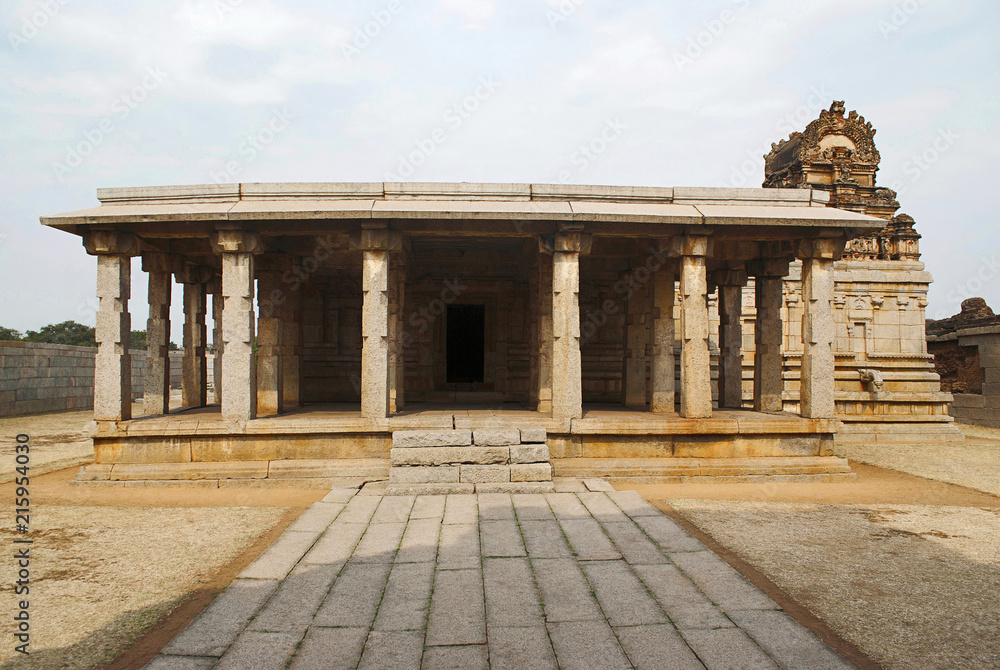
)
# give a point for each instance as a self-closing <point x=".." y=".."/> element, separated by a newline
<point x="831" y="249"/>
<point x="691" y="246"/>
<point x="729" y="278"/>
<point x="377" y="239"/>
<point x="573" y="242"/>
<point x="236" y="241"/>
<point x="194" y="274"/>
<point x="768" y="267"/>
<point x="111" y="243"/>
<point x="159" y="261"/>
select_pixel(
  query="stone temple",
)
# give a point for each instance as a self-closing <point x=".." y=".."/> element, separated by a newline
<point x="460" y="337"/>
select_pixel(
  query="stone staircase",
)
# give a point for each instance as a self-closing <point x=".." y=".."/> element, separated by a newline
<point x="507" y="460"/>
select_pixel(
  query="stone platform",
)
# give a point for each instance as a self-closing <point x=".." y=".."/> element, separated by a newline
<point x="574" y="580"/>
<point x="335" y="445"/>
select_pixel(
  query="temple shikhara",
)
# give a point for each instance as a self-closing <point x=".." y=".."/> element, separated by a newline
<point x="460" y="337"/>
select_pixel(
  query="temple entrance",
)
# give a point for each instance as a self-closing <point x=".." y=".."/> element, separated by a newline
<point x="466" y="344"/>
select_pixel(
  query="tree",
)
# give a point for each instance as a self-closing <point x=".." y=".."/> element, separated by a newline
<point x="138" y="340"/>
<point x="67" y="332"/>
<point x="10" y="334"/>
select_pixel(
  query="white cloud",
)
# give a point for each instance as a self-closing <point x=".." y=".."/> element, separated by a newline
<point x="476" y="12"/>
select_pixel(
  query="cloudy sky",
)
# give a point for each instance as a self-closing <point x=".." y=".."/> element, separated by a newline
<point x="114" y="93"/>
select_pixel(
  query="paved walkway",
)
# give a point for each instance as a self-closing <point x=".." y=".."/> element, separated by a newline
<point x="590" y="580"/>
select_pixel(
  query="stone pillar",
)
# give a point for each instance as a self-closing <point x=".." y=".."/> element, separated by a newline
<point x="768" y="383"/>
<point x="217" y="344"/>
<point x="194" y="376"/>
<point x="291" y="340"/>
<point x="239" y="371"/>
<point x="156" y="382"/>
<point x="397" y="355"/>
<point x="663" y="340"/>
<point x="376" y="245"/>
<point x="270" y="366"/>
<point x="730" y="283"/>
<point x="567" y="366"/>
<point x="544" y="394"/>
<point x="113" y="365"/>
<point x="637" y="336"/>
<point x="696" y="371"/>
<point x="818" y="365"/>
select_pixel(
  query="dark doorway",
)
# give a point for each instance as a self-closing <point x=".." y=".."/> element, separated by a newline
<point x="466" y="343"/>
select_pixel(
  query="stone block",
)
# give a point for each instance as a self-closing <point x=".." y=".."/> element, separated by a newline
<point x="587" y="644"/>
<point x="485" y="474"/>
<point x="496" y="438"/>
<point x="429" y="489"/>
<point x="189" y="471"/>
<point x="279" y="559"/>
<point x="449" y="455"/>
<point x="535" y="472"/>
<point x="727" y="648"/>
<point x="258" y="649"/>
<point x="534" y="453"/>
<point x="221" y="622"/>
<point x="516" y="487"/>
<point x="93" y="473"/>
<point x="461" y="657"/>
<point x="458" y="612"/>
<point x="533" y="436"/>
<point x="425" y="475"/>
<point x="331" y="648"/>
<point x="431" y="438"/>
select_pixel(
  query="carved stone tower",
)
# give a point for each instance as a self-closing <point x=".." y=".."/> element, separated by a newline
<point x="837" y="154"/>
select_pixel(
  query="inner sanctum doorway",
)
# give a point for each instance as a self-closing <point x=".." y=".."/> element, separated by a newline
<point x="466" y="344"/>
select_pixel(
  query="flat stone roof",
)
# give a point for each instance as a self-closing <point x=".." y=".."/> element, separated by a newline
<point x="686" y="206"/>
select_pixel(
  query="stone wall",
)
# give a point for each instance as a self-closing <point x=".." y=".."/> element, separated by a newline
<point x="36" y="378"/>
<point x="980" y="406"/>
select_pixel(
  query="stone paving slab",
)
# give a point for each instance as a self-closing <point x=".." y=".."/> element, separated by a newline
<point x="585" y="578"/>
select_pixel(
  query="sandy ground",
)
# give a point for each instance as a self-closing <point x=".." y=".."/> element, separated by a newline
<point x="974" y="463"/>
<point x="904" y="568"/>
<point x="56" y="441"/>
<point x="100" y="576"/>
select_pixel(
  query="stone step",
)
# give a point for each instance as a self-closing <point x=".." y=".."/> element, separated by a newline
<point x="720" y="470"/>
<point x="500" y="456"/>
